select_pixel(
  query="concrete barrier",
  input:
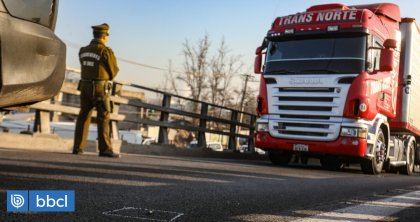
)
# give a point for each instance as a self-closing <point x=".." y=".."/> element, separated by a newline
<point x="46" y="142"/>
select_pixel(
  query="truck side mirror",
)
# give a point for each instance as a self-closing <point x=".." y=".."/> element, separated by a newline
<point x="390" y="44"/>
<point x="387" y="55"/>
<point x="387" y="60"/>
<point x="258" y="60"/>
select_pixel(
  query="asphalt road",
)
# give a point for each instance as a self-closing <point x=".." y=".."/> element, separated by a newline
<point x="162" y="188"/>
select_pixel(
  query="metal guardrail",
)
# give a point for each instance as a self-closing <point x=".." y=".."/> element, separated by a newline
<point x="208" y="118"/>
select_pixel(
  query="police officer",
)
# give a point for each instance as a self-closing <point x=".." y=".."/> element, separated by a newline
<point x="99" y="65"/>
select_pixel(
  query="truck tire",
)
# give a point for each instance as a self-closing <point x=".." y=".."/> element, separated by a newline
<point x="417" y="157"/>
<point x="409" y="158"/>
<point x="331" y="163"/>
<point x="375" y="165"/>
<point x="281" y="158"/>
<point x="388" y="168"/>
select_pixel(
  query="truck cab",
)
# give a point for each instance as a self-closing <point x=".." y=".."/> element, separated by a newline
<point x="32" y="56"/>
<point x="329" y="86"/>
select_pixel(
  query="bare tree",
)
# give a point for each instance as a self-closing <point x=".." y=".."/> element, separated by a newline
<point x="207" y="79"/>
<point x="224" y="67"/>
<point x="246" y="95"/>
<point x="195" y="67"/>
<point x="171" y="79"/>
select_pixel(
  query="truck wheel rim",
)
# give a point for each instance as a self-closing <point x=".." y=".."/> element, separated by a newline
<point x="380" y="152"/>
<point x="410" y="157"/>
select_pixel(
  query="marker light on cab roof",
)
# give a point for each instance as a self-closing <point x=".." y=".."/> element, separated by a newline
<point x="289" y="31"/>
<point x="332" y="28"/>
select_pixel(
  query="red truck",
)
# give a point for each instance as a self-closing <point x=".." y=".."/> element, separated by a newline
<point x="342" y="84"/>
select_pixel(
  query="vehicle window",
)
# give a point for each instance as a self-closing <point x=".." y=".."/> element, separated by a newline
<point x="322" y="48"/>
<point x="38" y="11"/>
<point x="376" y="54"/>
<point x="338" y="54"/>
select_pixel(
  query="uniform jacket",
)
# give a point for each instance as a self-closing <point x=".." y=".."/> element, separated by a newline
<point x="98" y="61"/>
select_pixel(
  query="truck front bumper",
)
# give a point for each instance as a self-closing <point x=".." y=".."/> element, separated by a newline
<point x="342" y="146"/>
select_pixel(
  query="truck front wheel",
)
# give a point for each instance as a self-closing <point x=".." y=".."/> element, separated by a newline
<point x="375" y="165"/>
<point x="279" y="157"/>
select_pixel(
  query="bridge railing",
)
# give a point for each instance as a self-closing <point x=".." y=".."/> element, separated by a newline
<point x="202" y="117"/>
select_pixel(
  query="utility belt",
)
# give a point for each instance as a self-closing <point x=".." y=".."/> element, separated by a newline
<point x="101" y="90"/>
<point x="97" y="85"/>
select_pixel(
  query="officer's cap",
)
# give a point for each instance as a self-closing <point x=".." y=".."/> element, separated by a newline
<point x="103" y="28"/>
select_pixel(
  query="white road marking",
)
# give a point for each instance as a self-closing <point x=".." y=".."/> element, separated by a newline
<point x="371" y="210"/>
<point x="119" y="213"/>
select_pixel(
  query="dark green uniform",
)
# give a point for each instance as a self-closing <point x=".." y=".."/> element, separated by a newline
<point x="99" y="65"/>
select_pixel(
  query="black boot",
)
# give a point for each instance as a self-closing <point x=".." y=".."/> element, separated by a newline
<point x="77" y="152"/>
<point x="108" y="153"/>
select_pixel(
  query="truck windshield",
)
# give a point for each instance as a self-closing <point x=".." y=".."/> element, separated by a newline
<point x="344" y="55"/>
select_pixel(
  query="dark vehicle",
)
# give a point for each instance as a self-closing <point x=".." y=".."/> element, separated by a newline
<point x="32" y="56"/>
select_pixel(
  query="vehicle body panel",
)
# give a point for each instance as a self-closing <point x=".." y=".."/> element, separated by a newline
<point x="32" y="60"/>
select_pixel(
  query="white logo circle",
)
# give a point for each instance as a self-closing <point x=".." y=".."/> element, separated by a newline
<point x="17" y="200"/>
<point x="363" y="107"/>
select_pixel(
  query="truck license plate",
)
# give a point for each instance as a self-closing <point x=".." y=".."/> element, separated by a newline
<point x="301" y="147"/>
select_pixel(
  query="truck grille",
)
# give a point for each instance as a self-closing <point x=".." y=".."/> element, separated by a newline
<point x="306" y="113"/>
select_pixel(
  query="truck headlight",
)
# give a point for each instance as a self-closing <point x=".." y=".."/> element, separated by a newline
<point x="354" y="132"/>
<point x="262" y="127"/>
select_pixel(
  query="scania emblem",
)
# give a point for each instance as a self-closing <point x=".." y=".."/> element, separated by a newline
<point x="305" y="81"/>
